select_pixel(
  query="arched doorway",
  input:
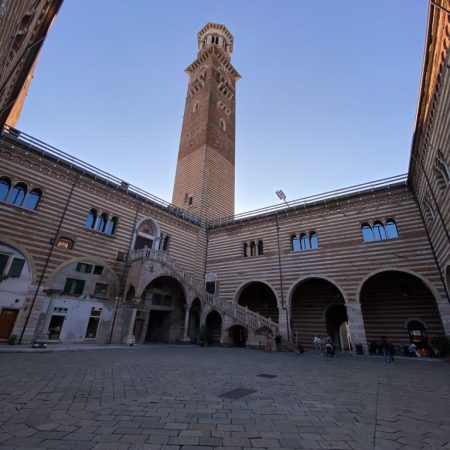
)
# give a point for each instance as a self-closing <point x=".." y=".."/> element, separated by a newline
<point x="398" y="305"/>
<point x="238" y="335"/>
<point x="194" y="320"/>
<point x="260" y="298"/>
<point x="318" y="309"/>
<point x="164" y="303"/>
<point x="214" y="323"/>
<point x="336" y="319"/>
<point x="146" y="235"/>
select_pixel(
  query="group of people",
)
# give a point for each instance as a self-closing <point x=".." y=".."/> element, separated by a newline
<point x="388" y="349"/>
<point x="324" y="346"/>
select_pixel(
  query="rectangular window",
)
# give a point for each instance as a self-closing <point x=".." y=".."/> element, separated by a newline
<point x="74" y="286"/>
<point x="157" y="299"/>
<point x="3" y="261"/>
<point x="98" y="270"/>
<point x="84" y="268"/>
<point x="101" y="290"/>
<point x="94" y="320"/>
<point x="16" y="267"/>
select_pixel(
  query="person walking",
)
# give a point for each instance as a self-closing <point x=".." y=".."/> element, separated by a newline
<point x="384" y="344"/>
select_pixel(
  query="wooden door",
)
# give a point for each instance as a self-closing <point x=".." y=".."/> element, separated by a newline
<point x="7" y="321"/>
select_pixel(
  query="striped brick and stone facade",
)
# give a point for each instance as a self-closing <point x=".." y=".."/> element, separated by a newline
<point x="87" y="257"/>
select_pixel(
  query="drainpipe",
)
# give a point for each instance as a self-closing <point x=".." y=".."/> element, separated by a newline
<point x="283" y="305"/>
<point x="52" y="246"/>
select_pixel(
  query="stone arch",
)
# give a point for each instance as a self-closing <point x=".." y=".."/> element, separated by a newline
<point x="164" y="307"/>
<point x="315" y="276"/>
<point x="214" y="322"/>
<point x="250" y="294"/>
<point x="390" y="299"/>
<point x="195" y="314"/>
<point x="318" y="308"/>
<point x="427" y="283"/>
<point x="10" y="242"/>
<point x="89" y="260"/>
<point x="140" y="226"/>
<point x="145" y="281"/>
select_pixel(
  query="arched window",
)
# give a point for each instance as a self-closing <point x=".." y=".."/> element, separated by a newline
<point x="252" y="249"/>
<point x="32" y="199"/>
<point x="260" y="247"/>
<point x="101" y="222"/>
<point x="245" y="248"/>
<point x="91" y="218"/>
<point x="391" y="229"/>
<point x="304" y="242"/>
<point x="378" y="231"/>
<point x="313" y="240"/>
<point x="196" y="106"/>
<point x="17" y="194"/>
<point x="367" y="232"/>
<point x="5" y="186"/>
<point x="442" y="171"/>
<point x="295" y="243"/>
<point x="222" y="124"/>
<point x="112" y="225"/>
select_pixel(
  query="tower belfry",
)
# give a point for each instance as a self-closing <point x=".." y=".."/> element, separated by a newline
<point x="204" y="180"/>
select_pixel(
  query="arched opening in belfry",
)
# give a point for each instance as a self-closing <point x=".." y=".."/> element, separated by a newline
<point x="238" y="335"/>
<point x="164" y="302"/>
<point x="318" y="309"/>
<point x="194" y="320"/>
<point x="214" y="323"/>
<point x="399" y="306"/>
<point x="260" y="298"/>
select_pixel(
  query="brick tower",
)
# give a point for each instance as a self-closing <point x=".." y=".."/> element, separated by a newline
<point x="204" y="180"/>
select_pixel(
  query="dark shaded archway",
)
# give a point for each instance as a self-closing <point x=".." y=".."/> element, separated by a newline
<point x="214" y="323"/>
<point x="238" y="335"/>
<point x="260" y="298"/>
<point x="317" y="309"/>
<point x="194" y="320"/>
<point x="164" y="303"/>
<point x="391" y="300"/>
<point x="447" y="278"/>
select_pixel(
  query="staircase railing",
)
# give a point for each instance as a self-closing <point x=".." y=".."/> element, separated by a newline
<point x="241" y="314"/>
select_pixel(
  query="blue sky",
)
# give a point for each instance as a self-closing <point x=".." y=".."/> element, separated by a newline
<point x="327" y="97"/>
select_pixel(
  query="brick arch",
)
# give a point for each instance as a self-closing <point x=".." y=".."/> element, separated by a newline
<point x="311" y="302"/>
<point x="304" y="278"/>
<point x="164" y="275"/>
<point x="88" y="260"/>
<point x="425" y="281"/>
<point x="390" y="299"/>
<point x="5" y="240"/>
<point x="265" y="310"/>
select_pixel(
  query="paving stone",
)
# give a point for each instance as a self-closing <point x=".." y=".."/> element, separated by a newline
<point x="145" y="397"/>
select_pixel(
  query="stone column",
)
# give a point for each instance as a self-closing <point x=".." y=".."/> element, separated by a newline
<point x="356" y="326"/>
<point x="129" y="338"/>
<point x="186" y="337"/>
<point x="444" y="311"/>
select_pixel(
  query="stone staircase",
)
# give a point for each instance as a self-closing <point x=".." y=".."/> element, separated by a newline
<point x="251" y="320"/>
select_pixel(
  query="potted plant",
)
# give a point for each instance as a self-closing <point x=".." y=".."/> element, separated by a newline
<point x="205" y="336"/>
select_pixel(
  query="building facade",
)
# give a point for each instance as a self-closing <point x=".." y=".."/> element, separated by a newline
<point x="87" y="257"/>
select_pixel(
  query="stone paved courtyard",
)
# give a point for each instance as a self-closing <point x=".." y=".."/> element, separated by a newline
<point x="168" y="398"/>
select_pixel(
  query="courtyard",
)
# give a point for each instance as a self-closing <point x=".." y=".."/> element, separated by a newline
<point x="172" y="397"/>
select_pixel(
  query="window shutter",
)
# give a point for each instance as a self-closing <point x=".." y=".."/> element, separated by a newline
<point x="16" y="267"/>
<point x="3" y="262"/>
<point x="79" y="286"/>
